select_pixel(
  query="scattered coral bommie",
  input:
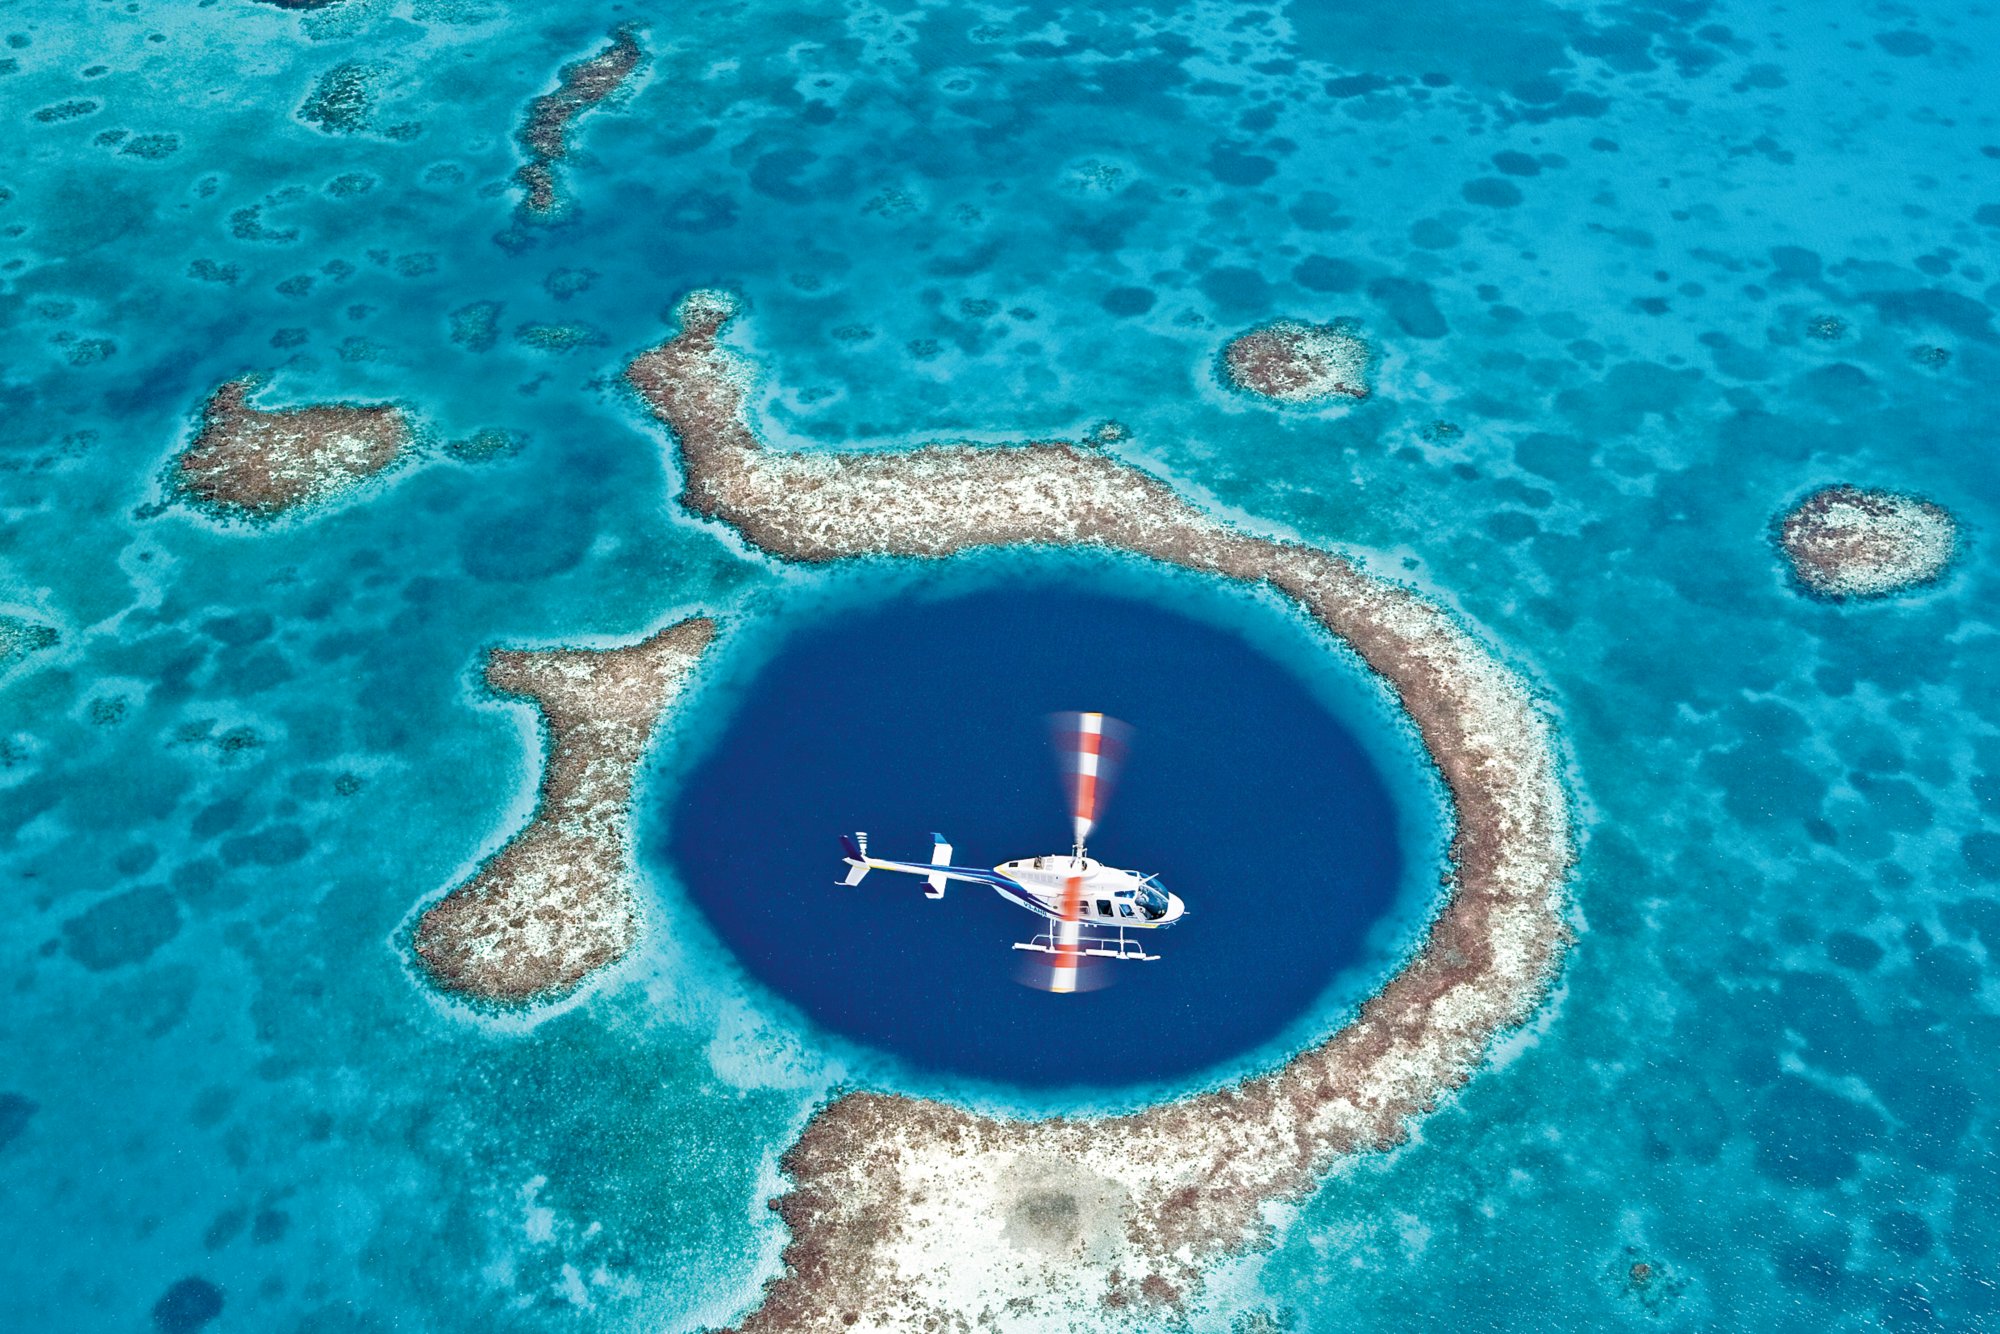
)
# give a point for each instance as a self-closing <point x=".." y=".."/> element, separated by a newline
<point x="20" y="637"/>
<point x="1294" y="362"/>
<point x="246" y="462"/>
<point x="556" y="903"/>
<point x="1847" y="542"/>
<point x="342" y="101"/>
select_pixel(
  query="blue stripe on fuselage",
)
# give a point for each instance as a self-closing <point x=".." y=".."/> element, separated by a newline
<point x="1009" y="888"/>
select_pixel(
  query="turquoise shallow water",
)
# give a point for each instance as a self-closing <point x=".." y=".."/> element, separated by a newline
<point x="1641" y="274"/>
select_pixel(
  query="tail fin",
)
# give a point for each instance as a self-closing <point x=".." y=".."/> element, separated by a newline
<point x="856" y="847"/>
<point x="940" y="856"/>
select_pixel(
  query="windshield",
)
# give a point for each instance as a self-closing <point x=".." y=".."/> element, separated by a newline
<point x="1152" y="898"/>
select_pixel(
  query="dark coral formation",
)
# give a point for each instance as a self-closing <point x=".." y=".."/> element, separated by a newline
<point x="1849" y="542"/>
<point x="248" y="463"/>
<point x="896" y="1201"/>
<point x="556" y="903"/>
<point x="485" y="445"/>
<point x="476" y="327"/>
<point x="1294" y="362"/>
<point x="579" y="87"/>
<point x="20" y="637"/>
<point x="567" y="336"/>
<point x="16" y="1110"/>
<point x="343" y="99"/>
<point x="188" y="1306"/>
<point x="70" y="110"/>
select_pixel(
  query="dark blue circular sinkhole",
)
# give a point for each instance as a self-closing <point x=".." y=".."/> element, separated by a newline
<point x="1252" y="801"/>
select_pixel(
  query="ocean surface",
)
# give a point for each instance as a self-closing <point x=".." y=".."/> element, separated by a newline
<point x="1642" y="273"/>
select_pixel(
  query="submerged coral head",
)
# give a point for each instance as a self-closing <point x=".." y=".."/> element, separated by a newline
<point x="1294" y="362"/>
<point x="248" y="463"/>
<point x="1850" y="542"/>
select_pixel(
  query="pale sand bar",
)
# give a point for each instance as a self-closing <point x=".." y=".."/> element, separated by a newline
<point x="245" y="462"/>
<point x="558" y="901"/>
<point x="1850" y="542"/>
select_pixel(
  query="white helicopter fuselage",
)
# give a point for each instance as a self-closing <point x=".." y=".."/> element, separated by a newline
<point x="1108" y="896"/>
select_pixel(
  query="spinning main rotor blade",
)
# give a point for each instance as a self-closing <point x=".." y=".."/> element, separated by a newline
<point x="1062" y="963"/>
<point x="1091" y="747"/>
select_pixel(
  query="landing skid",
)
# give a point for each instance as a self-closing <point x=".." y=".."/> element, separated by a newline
<point x="1103" y="947"/>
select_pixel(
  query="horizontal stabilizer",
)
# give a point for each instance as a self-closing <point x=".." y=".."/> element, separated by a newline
<point x="940" y="856"/>
<point x="856" y="848"/>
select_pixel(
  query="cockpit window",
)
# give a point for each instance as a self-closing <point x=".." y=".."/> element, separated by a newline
<point x="1153" y="899"/>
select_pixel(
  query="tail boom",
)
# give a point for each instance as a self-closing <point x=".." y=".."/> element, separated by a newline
<point x="936" y="872"/>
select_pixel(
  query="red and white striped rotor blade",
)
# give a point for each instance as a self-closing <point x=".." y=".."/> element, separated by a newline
<point x="1063" y="963"/>
<point x="1091" y="746"/>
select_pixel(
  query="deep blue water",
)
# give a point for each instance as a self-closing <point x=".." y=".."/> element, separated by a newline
<point x="1641" y="272"/>
<point x="1255" y="804"/>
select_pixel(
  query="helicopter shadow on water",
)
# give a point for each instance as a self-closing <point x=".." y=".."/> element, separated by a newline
<point x="1253" y="803"/>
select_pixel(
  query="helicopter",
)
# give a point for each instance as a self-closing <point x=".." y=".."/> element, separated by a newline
<point x="1092" y="907"/>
